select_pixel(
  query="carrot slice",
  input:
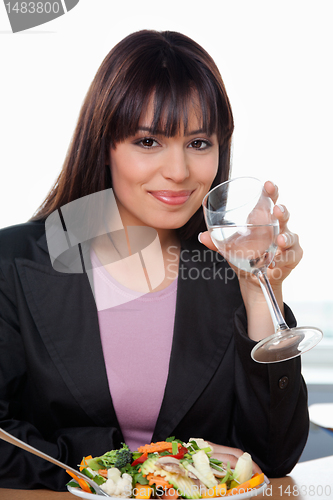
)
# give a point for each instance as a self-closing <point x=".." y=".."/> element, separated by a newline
<point x="82" y="483"/>
<point x="155" y="447"/>
<point x="103" y="473"/>
<point x="255" y="481"/>
<point x="84" y="463"/>
<point x="158" y="480"/>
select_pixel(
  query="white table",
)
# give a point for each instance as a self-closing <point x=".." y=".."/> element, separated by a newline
<point x="322" y="415"/>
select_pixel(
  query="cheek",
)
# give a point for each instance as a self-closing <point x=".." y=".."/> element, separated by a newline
<point x="208" y="172"/>
<point x="122" y="172"/>
<point x="127" y="169"/>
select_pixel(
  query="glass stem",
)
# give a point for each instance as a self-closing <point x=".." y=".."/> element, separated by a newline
<point x="278" y="320"/>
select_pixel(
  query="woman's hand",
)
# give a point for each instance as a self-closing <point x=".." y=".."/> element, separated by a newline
<point x="227" y="454"/>
<point x="288" y="255"/>
<point x="289" y="251"/>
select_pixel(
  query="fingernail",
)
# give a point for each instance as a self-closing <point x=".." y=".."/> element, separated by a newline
<point x="285" y="238"/>
<point x="281" y="208"/>
<point x="199" y="237"/>
<point x="273" y="263"/>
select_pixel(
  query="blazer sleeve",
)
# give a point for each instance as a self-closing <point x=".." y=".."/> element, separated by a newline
<point x="271" y="415"/>
<point x="19" y="469"/>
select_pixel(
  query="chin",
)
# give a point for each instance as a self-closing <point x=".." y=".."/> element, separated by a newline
<point x="164" y="223"/>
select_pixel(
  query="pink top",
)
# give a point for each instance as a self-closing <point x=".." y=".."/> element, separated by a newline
<point x="136" y="338"/>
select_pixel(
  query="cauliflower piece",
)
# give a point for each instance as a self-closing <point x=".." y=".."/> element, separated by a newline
<point x="118" y="485"/>
<point x="114" y="474"/>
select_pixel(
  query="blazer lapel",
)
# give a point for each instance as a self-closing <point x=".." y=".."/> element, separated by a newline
<point x="199" y="340"/>
<point x="56" y="302"/>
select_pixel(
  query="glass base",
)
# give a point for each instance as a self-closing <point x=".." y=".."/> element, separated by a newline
<point x="286" y="344"/>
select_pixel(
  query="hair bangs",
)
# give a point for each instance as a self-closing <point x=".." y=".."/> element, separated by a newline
<point x="174" y="90"/>
<point x="175" y="102"/>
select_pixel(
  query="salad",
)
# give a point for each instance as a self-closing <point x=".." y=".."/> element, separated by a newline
<point x="167" y="470"/>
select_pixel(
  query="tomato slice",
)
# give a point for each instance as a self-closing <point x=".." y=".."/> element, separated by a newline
<point x="181" y="452"/>
<point x="140" y="460"/>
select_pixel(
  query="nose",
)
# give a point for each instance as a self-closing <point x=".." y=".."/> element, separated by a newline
<point x="175" y="164"/>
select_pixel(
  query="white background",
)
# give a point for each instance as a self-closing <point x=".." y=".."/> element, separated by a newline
<point x="276" y="61"/>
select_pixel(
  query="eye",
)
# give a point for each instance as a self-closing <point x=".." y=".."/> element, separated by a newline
<point x="200" y="144"/>
<point x="147" y="142"/>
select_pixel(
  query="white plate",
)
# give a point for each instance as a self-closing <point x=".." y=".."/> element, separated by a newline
<point x="239" y="496"/>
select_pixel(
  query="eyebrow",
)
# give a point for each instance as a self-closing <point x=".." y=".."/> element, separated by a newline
<point x="161" y="132"/>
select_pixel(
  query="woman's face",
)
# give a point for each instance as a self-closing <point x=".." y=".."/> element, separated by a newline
<point x="160" y="181"/>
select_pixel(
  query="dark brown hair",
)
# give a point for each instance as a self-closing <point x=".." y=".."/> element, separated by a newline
<point x="168" y="66"/>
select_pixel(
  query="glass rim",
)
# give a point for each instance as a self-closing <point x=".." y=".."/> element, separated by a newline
<point x="204" y="201"/>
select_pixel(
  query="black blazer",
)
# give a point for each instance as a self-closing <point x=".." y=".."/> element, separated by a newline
<point x="54" y="391"/>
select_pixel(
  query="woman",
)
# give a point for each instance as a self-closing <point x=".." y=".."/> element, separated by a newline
<point x="79" y="377"/>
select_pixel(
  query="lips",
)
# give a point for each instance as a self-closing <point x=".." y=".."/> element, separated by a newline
<point x="172" y="197"/>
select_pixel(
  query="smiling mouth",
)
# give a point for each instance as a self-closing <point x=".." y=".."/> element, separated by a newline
<point x="172" y="197"/>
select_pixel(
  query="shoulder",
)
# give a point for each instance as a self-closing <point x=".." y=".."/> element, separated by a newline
<point x="20" y="240"/>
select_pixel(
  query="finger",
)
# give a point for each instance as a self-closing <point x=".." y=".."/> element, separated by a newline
<point x="220" y="448"/>
<point x="225" y="458"/>
<point x="228" y="454"/>
<point x="206" y="240"/>
<point x="232" y="459"/>
<point x="287" y="240"/>
<point x="288" y="256"/>
<point x="272" y="190"/>
<point x="282" y="214"/>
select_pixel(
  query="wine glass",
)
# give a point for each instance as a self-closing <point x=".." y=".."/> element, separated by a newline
<point x="239" y="216"/>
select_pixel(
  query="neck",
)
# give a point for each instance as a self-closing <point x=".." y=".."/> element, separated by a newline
<point x="167" y="238"/>
<point x="113" y="254"/>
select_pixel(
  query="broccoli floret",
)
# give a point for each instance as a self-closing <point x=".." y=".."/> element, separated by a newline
<point x="123" y="457"/>
<point x="114" y="458"/>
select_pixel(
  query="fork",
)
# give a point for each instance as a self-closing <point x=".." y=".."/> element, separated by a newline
<point x="17" y="442"/>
